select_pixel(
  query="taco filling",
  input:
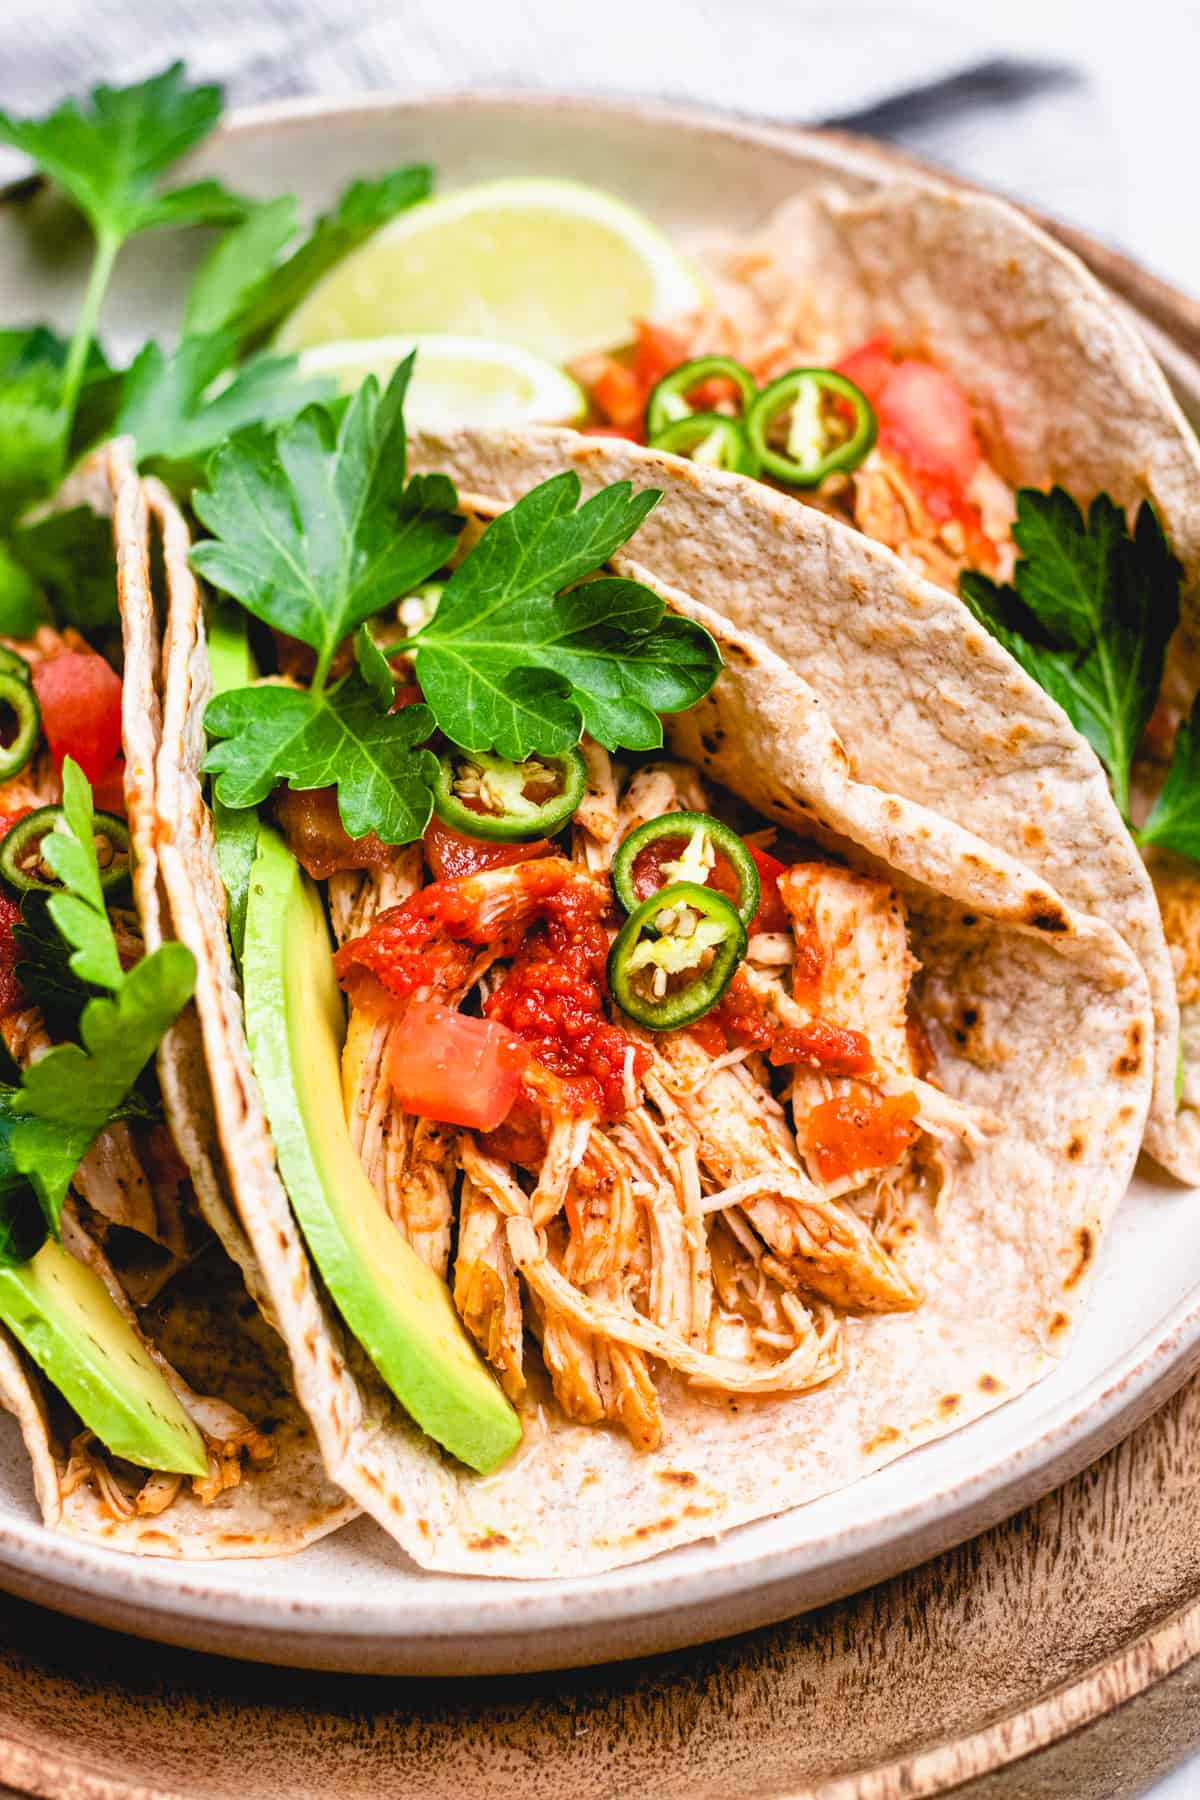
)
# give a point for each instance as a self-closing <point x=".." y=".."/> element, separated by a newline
<point x="647" y="1140"/>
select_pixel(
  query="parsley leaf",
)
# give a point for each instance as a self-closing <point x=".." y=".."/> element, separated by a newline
<point x="179" y="409"/>
<point x="277" y="288"/>
<point x="109" y="155"/>
<point x="311" y="739"/>
<point x="79" y="911"/>
<point x="1089" y="616"/>
<point x="373" y="667"/>
<point x="238" y="265"/>
<point x="69" y="555"/>
<point x="32" y="426"/>
<point x="315" y="528"/>
<point x="72" y="1092"/>
<point x="509" y="662"/>
<point x="1175" y="821"/>
<point x="22" y="603"/>
<point x="44" y="971"/>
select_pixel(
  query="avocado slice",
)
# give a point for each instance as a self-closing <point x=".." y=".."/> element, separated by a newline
<point x="232" y="662"/>
<point x="65" y="1317"/>
<point x="398" y="1309"/>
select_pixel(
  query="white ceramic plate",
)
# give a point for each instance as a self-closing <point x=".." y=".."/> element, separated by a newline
<point x="353" y="1602"/>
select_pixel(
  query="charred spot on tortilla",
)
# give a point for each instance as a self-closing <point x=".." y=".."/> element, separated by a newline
<point x="989" y="1385"/>
<point x="885" y="1436"/>
<point x="712" y="740"/>
<point x="1075" y="1147"/>
<point x="1033" y="835"/>
<point x="680" y="1477"/>
<point x="1059" y="1322"/>
<point x="1130" y="1063"/>
<point x="949" y="1403"/>
<point x="1085" y="1245"/>
<point x="489" y="1540"/>
<point x="1044" y="912"/>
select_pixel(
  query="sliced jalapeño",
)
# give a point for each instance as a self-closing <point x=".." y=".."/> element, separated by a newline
<point x="487" y="796"/>
<point x="674" y="957"/>
<point x="19" y="702"/>
<point x="685" y="846"/>
<point x="712" y="439"/>
<point x="810" y="423"/>
<point x="21" y="863"/>
<point x="668" y="402"/>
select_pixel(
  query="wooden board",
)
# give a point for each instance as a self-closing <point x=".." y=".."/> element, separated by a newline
<point x="1056" y="1656"/>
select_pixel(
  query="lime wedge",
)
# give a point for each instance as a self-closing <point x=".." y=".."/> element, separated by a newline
<point x="457" y="381"/>
<point x="556" y="267"/>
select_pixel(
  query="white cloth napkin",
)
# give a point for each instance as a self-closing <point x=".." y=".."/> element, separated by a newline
<point x="1114" y="150"/>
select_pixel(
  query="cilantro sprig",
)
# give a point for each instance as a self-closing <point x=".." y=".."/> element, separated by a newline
<point x="316" y="529"/>
<point x="70" y="1094"/>
<point x="1089" y="614"/>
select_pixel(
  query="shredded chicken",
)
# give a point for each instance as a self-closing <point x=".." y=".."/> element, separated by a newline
<point x="687" y="1231"/>
<point x="738" y="1140"/>
<point x="485" y="1286"/>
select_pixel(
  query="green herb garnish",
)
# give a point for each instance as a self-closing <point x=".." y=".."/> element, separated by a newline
<point x="180" y="407"/>
<point x="1089" y="615"/>
<point x="246" y="288"/>
<point x="316" y="529"/>
<point x="1175" y="821"/>
<point x="69" y="1095"/>
<point x="109" y="155"/>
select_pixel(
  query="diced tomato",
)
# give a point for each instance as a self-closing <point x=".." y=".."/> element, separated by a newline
<point x="710" y="1034"/>
<point x="657" y="352"/>
<point x="80" y="698"/>
<point x="772" y="914"/>
<point x="446" y="1065"/>
<point x="452" y="854"/>
<point x="862" y="1130"/>
<point x="604" y="431"/>
<point x="311" y="823"/>
<point x="11" y="997"/>
<point x="407" y="694"/>
<point x="9" y="817"/>
<point x="619" y="397"/>
<point x="869" y="366"/>
<point x="925" y="419"/>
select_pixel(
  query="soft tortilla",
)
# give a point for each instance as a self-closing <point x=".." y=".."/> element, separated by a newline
<point x="926" y="703"/>
<point x="203" y="1324"/>
<point x="1039" y="1013"/>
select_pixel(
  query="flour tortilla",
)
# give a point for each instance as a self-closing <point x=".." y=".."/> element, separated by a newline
<point x="926" y="703"/>
<point x="203" y="1323"/>
<point x="1038" y="1013"/>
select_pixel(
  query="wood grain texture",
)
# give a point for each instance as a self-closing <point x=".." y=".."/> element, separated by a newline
<point x="1056" y="1655"/>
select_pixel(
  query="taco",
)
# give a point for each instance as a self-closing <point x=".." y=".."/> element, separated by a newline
<point x="923" y="699"/>
<point x="656" y="1136"/>
<point x="154" y="1401"/>
<point x="932" y="370"/>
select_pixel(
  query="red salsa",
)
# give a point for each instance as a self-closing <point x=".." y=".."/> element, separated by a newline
<point x="859" y="1131"/>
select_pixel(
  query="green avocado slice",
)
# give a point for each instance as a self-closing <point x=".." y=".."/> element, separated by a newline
<point x="66" y="1319"/>
<point x="400" y="1311"/>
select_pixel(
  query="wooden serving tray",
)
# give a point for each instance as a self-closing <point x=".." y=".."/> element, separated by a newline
<point x="1057" y="1655"/>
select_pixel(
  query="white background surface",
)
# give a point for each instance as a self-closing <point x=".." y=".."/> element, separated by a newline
<point x="1116" y="150"/>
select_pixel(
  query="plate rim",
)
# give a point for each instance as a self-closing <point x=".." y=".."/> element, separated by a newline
<point x="138" y="1594"/>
